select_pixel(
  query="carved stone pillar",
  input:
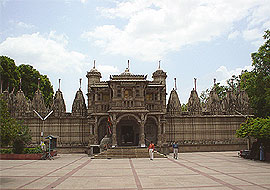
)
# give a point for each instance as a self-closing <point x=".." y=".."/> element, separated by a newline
<point x="96" y="131"/>
<point x="159" y="139"/>
<point x="92" y="136"/>
<point x="114" y="142"/>
<point x="142" y="136"/>
<point x="114" y="123"/>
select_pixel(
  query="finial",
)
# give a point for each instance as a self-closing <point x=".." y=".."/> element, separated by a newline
<point x="128" y="65"/>
<point x="38" y="83"/>
<point x="94" y="64"/>
<point x="159" y="64"/>
<point x="59" y="81"/>
<point x="20" y="83"/>
<point x="175" y="84"/>
<point x="195" y="80"/>
<point x="215" y="81"/>
<point x="80" y="83"/>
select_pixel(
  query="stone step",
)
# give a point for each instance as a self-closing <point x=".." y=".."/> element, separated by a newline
<point x="126" y="152"/>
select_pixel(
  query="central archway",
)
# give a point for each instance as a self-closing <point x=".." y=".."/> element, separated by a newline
<point x="127" y="131"/>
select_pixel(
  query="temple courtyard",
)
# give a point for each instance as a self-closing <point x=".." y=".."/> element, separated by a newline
<point x="200" y="170"/>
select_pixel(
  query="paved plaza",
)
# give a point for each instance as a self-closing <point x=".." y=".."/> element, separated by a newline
<point x="202" y="170"/>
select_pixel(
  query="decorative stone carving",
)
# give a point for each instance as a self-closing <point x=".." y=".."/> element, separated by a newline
<point x="174" y="105"/>
<point x="243" y="103"/>
<point x="21" y="104"/>
<point x="38" y="102"/>
<point x="229" y="102"/>
<point x="194" y="104"/>
<point x="214" y="104"/>
<point x="58" y="107"/>
<point x="79" y="106"/>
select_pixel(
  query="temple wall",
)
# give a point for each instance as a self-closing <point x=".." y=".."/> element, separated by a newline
<point x="203" y="129"/>
<point x="70" y="130"/>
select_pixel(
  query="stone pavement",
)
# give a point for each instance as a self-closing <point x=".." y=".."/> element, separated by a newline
<point x="202" y="170"/>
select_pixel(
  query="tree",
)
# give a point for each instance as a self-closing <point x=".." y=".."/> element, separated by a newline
<point x="220" y="90"/>
<point x="258" y="128"/>
<point x="30" y="78"/>
<point x="12" y="132"/>
<point x="11" y="74"/>
<point x="257" y="82"/>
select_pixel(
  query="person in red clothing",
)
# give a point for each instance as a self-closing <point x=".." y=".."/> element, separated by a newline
<point x="151" y="150"/>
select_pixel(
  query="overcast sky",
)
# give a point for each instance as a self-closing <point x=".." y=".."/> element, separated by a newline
<point x="204" y="39"/>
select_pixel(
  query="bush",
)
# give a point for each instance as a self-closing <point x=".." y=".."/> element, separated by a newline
<point x="6" y="151"/>
<point x="35" y="150"/>
<point x="12" y="132"/>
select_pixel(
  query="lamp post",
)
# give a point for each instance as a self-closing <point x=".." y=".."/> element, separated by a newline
<point x="43" y="120"/>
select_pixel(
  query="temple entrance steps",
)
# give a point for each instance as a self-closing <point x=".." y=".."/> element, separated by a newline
<point x="127" y="152"/>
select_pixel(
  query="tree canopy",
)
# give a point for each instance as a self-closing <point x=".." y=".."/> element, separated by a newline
<point x="257" y="82"/>
<point x="11" y="75"/>
<point x="258" y="128"/>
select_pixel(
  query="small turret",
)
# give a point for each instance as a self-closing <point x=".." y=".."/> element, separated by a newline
<point x="159" y="75"/>
<point x="93" y="75"/>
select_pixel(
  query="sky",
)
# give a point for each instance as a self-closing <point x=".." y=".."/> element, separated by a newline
<point x="203" y="39"/>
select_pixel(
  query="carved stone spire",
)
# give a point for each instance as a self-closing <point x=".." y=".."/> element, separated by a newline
<point x="59" y="106"/>
<point x="21" y="103"/>
<point x="194" y="104"/>
<point x="214" y="104"/>
<point x="38" y="102"/>
<point x="243" y="105"/>
<point x="229" y="102"/>
<point x="79" y="106"/>
<point x="174" y="105"/>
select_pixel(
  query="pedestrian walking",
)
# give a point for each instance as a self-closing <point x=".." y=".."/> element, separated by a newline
<point x="151" y="149"/>
<point x="261" y="152"/>
<point x="175" y="150"/>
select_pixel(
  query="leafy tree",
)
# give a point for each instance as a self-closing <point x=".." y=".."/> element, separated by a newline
<point x="257" y="82"/>
<point x="220" y="90"/>
<point x="30" y="78"/>
<point x="258" y="128"/>
<point x="11" y="74"/>
<point x="12" y="132"/>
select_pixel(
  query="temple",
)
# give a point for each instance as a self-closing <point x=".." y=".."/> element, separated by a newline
<point x="132" y="111"/>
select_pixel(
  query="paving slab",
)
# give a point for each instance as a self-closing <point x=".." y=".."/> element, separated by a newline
<point x="200" y="170"/>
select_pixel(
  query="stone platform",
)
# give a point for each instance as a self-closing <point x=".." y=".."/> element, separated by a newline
<point x="200" y="170"/>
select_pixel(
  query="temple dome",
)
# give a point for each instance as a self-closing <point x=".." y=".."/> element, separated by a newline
<point x="126" y="72"/>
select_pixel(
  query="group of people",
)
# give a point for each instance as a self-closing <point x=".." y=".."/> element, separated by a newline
<point x="151" y="149"/>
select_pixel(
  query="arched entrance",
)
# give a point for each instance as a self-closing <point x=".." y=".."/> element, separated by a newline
<point x="150" y="130"/>
<point x="102" y="128"/>
<point x="127" y="131"/>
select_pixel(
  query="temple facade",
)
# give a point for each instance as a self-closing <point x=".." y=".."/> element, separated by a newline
<point x="133" y="111"/>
